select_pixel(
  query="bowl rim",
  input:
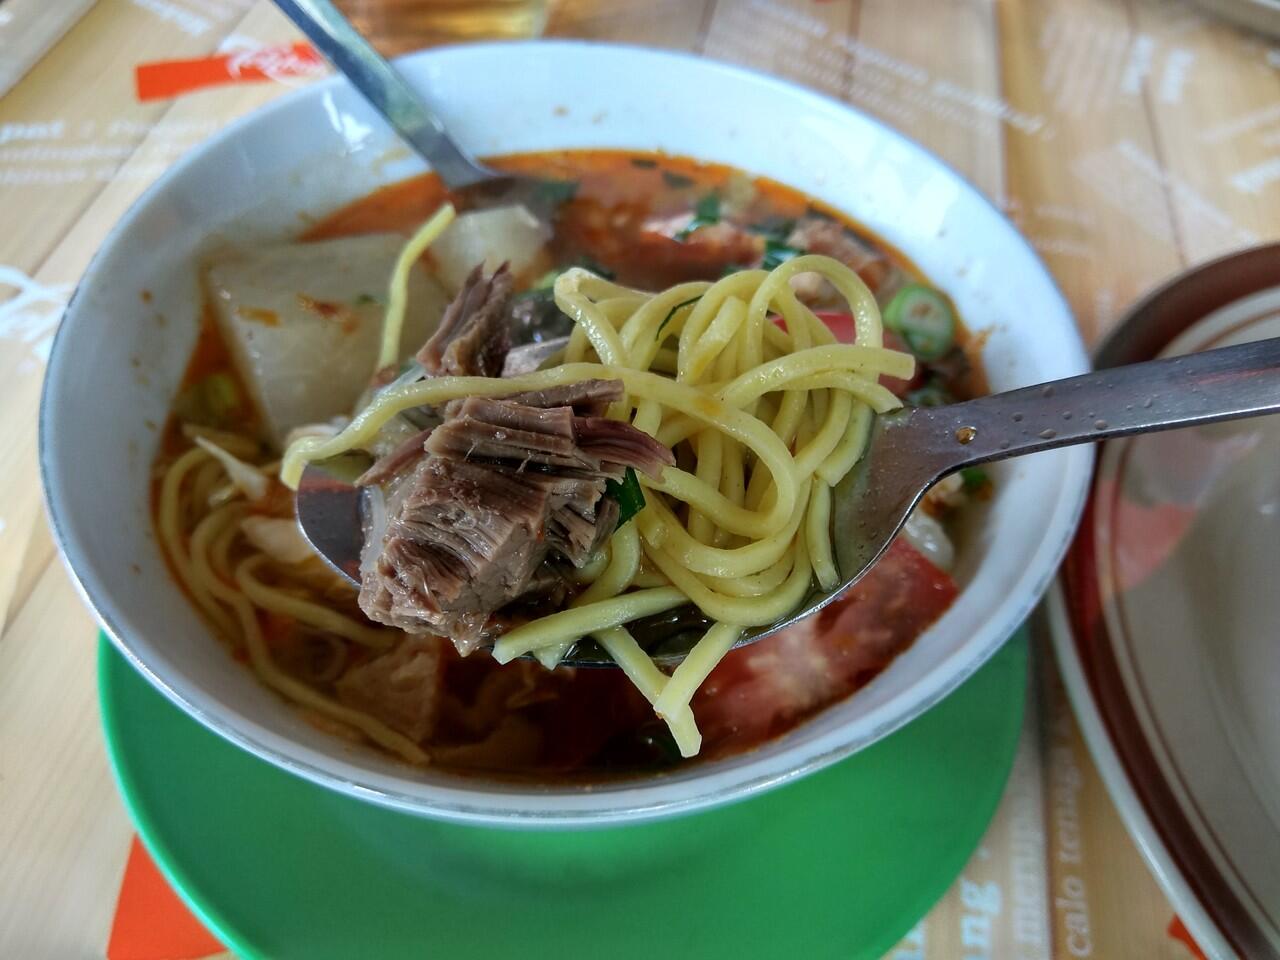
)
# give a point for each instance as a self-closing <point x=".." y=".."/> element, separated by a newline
<point x="500" y="808"/>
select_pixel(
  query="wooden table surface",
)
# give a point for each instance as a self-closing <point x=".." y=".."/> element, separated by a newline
<point x="1128" y="139"/>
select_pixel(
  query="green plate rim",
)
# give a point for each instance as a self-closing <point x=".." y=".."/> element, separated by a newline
<point x="111" y="666"/>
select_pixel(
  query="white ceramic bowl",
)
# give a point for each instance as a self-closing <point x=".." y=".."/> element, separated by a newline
<point x="323" y="146"/>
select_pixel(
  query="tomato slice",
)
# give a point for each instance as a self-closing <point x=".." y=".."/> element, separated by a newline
<point x="841" y="324"/>
<point x="761" y="690"/>
<point x="900" y="388"/>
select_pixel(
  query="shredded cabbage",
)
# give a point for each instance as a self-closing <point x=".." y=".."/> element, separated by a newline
<point x="247" y="477"/>
<point x="237" y="444"/>
<point x="277" y="537"/>
<point x="928" y="536"/>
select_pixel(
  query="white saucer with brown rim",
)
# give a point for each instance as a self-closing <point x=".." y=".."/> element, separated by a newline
<point x="1166" y="623"/>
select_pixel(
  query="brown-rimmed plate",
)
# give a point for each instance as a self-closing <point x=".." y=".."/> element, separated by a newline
<point x="1166" y="623"/>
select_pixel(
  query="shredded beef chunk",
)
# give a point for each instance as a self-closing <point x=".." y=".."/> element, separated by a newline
<point x="472" y="341"/>
<point x="611" y="442"/>
<point x="501" y="494"/>
<point x="502" y="487"/>
<point x="473" y="337"/>
<point x="820" y="235"/>
<point x="492" y="505"/>
<point x="465" y="541"/>
<point x="580" y="523"/>
<point x="815" y="234"/>
<point x="480" y="429"/>
<point x="404" y="454"/>
<point x="589" y="398"/>
<point x="400" y="687"/>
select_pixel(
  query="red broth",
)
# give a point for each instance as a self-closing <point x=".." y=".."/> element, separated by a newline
<point x="521" y="721"/>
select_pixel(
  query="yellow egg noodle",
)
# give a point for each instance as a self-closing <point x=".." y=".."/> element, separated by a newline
<point x="774" y="417"/>
<point x="197" y="541"/>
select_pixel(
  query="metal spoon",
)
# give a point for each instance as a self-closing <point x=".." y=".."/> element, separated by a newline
<point x="911" y="450"/>
<point x="391" y="95"/>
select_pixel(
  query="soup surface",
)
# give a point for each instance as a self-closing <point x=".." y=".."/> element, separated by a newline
<point x="645" y="220"/>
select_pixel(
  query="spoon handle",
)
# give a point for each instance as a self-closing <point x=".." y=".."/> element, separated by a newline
<point x="344" y="47"/>
<point x="1224" y="384"/>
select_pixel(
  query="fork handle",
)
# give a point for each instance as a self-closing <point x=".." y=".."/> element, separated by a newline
<point x="344" y="47"/>
<point x="1224" y="384"/>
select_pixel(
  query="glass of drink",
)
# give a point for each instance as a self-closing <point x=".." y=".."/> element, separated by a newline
<point x="398" y="26"/>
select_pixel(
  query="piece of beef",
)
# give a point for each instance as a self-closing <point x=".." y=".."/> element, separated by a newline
<point x="550" y="439"/>
<point x="478" y="428"/>
<point x="471" y="341"/>
<point x="473" y="337"/>
<point x="613" y="442"/>
<point x="463" y="540"/>
<point x="503" y="487"/>
<point x="815" y="234"/>
<point x="481" y="518"/>
<point x="480" y="507"/>
<point x="550" y="583"/>
<point x="578" y="525"/>
<point x="588" y="398"/>
<point x="707" y="250"/>
<point x="404" y="454"/>
<point x="400" y="687"/>
<point x="531" y="357"/>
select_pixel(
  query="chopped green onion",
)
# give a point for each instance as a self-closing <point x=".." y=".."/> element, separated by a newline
<point x="672" y="312"/>
<point x="775" y="227"/>
<point x="222" y="394"/>
<point x="556" y="192"/>
<point x="213" y="401"/>
<point x="364" y="299"/>
<point x="975" y="478"/>
<point x="705" y="214"/>
<point x="628" y="494"/>
<point x="547" y="280"/>
<point x="923" y="318"/>
<point x="776" y="253"/>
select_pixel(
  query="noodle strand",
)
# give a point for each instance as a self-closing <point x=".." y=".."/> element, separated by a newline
<point x="765" y="411"/>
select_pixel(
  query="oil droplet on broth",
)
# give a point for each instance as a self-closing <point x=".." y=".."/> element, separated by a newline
<point x="1047" y="391"/>
<point x="1017" y="418"/>
<point x="1048" y="434"/>
<point x="1146" y="404"/>
<point x="966" y="434"/>
<point x="1100" y="424"/>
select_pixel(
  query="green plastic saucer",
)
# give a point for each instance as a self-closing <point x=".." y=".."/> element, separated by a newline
<point x="839" y="864"/>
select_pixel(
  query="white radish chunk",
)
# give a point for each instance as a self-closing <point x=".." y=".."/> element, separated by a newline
<point x="303" y="322"/>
